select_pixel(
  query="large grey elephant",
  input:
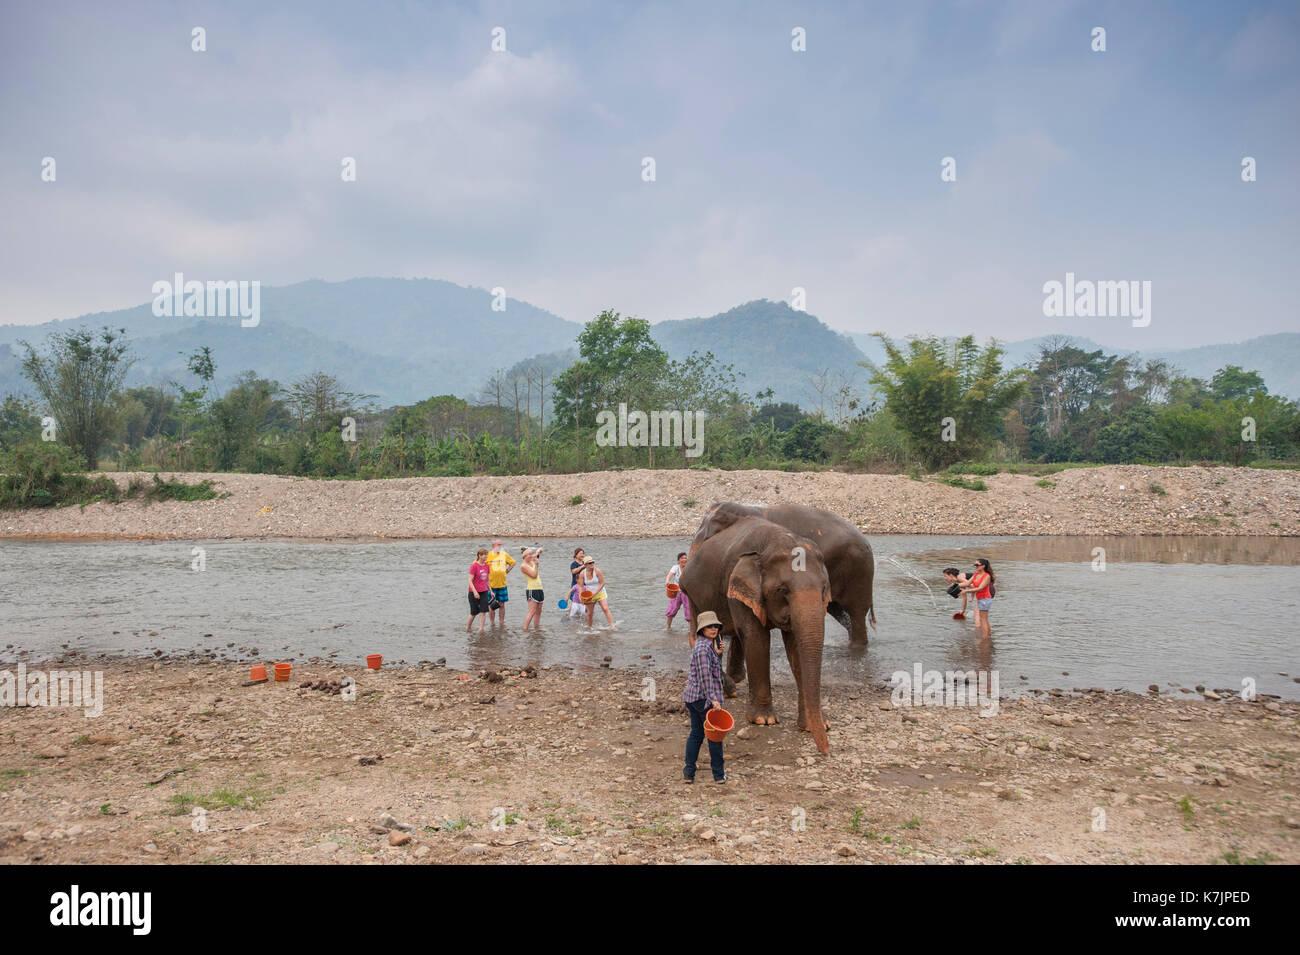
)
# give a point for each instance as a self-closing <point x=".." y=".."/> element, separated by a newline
<point x="756" y="576"/>
<point x="848" y="556"/>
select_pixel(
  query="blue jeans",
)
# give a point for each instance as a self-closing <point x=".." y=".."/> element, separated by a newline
<point x="698" y="710"/>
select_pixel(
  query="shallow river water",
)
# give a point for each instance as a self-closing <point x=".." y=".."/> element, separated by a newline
<point x="1181" y="610"/>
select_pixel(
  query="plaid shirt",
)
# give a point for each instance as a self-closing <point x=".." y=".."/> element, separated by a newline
<point x="704" y="679"/>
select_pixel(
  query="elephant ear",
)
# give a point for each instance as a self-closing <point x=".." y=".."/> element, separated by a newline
<point x="746" y="585"/>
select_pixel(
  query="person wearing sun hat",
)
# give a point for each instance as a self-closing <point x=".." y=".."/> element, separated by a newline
<point x="704" y="692"/>
<point x="592" y="579"/>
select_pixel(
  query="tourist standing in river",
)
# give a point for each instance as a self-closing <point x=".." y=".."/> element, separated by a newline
<point x="982" y="585"/>
<point x="530" y="567"/>
<point x="575" y="569"/>
<point x="957" y="580"/>
<point x="501" y="564"/>
<point x="480" y="595"/>
<point x="678" y="600"/>
<point x="593" y="580"/>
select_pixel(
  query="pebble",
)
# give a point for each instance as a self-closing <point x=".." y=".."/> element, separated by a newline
<point x="397" y="838"/>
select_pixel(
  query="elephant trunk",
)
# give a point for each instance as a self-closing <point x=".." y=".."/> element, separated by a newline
<point x="810" y="634"/>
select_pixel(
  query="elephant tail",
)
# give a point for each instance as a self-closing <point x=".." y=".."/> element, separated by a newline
<point x="871" y="615"/>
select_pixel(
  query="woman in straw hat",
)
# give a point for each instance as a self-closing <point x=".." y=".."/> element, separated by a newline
<point x="593" y="580"/>
<point x="704" y="692"/>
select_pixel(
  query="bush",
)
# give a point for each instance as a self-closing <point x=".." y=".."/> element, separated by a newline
<point x="961" y="482"/>
<point x="986" y="470"/>
<point x="45" y="473"/>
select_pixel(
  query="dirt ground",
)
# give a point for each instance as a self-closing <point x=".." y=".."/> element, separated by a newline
<point x="1108" y="500"/>
<point x="559" y="766"/>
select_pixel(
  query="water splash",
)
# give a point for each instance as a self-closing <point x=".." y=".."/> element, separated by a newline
<point x="909" y="573"/>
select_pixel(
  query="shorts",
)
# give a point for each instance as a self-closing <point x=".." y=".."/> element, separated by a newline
<point x="535" y="596"/>
<point x="983" y="603"/>
<point x="502" y="593"/>
<point x="479" y="603"/>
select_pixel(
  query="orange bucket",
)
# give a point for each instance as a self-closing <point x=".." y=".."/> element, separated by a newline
<point x="373" y="661"/>
<point x="258" y="672"/>
<point x="717" y="724"/>
<point x="282" y="671"/>
<point x="672" y="590"/>
<point x="586" y="596"/>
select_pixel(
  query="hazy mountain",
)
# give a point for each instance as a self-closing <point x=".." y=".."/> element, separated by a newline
<point x="401" y="339"/>
<point x="774" y="345"/>
<point x="407" y="339"/>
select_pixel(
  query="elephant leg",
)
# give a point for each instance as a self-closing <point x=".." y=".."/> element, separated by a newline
<point x="858" y="633"/>
<point x="837" y="611"/>
<point x="728" y="686"/>
<point x="735" y="664"/>
<point x="792" y="654"/>
<point x="758" y="662"/>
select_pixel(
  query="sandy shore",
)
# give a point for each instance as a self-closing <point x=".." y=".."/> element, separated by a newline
<point x="1108" y="500"/>
<point x="577" y="767"/>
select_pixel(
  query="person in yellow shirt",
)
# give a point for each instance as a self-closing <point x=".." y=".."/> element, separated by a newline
<point x="500" y="563"/>
<point x="530" y="564"/>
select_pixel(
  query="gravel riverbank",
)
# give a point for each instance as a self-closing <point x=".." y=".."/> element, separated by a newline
<point x="1108" y="500"/>
<point x="430" y="765"/>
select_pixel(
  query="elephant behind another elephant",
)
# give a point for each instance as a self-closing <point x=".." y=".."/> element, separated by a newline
<point x="757" y="576"/>
<point x="847" y="553"/>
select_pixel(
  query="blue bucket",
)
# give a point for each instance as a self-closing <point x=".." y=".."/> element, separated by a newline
<point x="564" y="605"/>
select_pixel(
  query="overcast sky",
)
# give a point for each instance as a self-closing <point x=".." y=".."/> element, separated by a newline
<point x="775" y="168"/>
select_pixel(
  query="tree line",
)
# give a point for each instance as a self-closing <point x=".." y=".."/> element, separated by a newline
<point x="938" y="404"/>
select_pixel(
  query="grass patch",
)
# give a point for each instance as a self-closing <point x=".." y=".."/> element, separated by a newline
<point x="1044" y="482"/>
<point x="1232" y="857"/>
<point x="1185" y="807"/>
<point x="575" y="500"/>
<point x="556" y="824"/>
<point x="216" y="800"/>
<point x="913" y="823"/>
<point x="964" y="484"/>
<point x="985" y="470"/>
<point x="1157" y="489"/>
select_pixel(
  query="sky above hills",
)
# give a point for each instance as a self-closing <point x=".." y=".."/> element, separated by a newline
<point x="773" y="168"/>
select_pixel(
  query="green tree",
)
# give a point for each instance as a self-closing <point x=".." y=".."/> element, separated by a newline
<point x="80" y="380"/>
<point x="934" y="379"/>
<point x="1232" y="382"/>
<point x="18" y="422"/>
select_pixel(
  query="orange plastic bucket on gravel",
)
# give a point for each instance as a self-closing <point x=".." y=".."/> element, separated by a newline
<point x="586" y="596"/>
<point x="258" y="672"/>
<point x="717" y="724"/>
<point x="672" y="590"/>
<point x="282" y="671"/>
<point x="374" y="660"/>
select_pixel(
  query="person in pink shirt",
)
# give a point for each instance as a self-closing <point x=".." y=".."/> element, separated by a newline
<point x="480" y="594"/>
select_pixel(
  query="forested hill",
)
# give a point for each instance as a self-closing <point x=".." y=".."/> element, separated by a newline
<point x="404" y="340"/>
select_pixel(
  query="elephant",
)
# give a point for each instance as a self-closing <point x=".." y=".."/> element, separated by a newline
<point x="756" y="576"/>
<point x="849" y="561"/>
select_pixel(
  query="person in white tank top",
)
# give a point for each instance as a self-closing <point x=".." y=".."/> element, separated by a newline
<point x="593" y="580"/>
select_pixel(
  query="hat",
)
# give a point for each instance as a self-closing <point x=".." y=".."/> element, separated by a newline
<point x="589" y="560"/>
<point x="706" y="619"/>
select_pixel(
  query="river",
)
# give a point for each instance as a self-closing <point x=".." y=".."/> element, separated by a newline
<point x="1164" y="610"/>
